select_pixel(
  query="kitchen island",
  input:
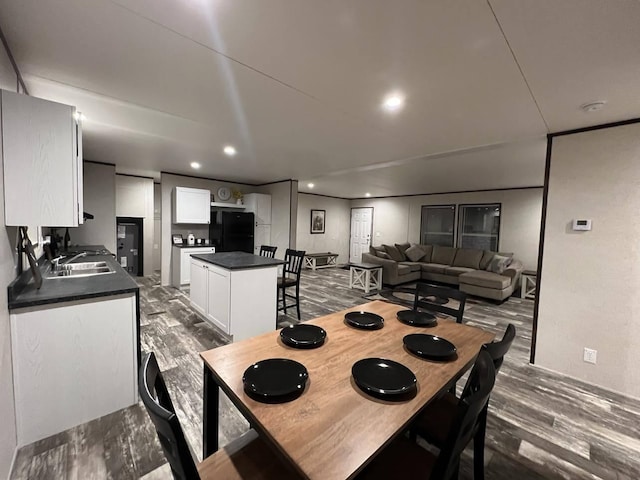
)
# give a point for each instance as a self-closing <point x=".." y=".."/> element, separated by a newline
<point x="75" y="343"/>
<point x="236" y="292"/>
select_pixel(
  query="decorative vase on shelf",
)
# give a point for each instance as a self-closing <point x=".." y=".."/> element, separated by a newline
<point x="238" y="201"/>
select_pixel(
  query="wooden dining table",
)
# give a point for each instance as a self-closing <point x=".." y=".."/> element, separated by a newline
<point x="334" y="429"/>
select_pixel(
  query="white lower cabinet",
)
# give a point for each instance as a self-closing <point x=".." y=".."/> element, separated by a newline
<point x="181" y="263"/>
<point x="241" y="303"/>
<point x="72" y="362"/>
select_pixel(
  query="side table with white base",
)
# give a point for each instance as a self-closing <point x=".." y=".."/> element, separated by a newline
<point x="365" y="276"/>
<point x="528" y="284"/>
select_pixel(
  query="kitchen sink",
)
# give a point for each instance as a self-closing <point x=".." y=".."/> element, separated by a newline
<point x="83" y="266"/>
<point x="83" y="269"/>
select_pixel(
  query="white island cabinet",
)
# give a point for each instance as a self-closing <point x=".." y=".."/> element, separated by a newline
<point x="236" y="292"/>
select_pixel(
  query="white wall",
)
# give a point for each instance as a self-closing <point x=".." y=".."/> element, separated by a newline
<point x="337" y="225"/>
<point x="7" y="274"/>
<point x="168" y="183"/>
<point x="100" y="201"/>
<point x="589" y="287"/>
<point x="397" y="220"/>
<point x="282" y="194"/>
<point x="157" y="225"/>
<point x="134" y="198"/>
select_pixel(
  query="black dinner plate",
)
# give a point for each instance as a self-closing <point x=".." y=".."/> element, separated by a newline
<point x="429" y="346"/>
<point x="382" y="377"/>
<point x="275" y="379"/>
<point x="303" y="336"/>
<point x="364" y="320"/>
<point x="417" y="319"/>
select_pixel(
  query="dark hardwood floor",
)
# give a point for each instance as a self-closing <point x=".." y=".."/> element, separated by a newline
<point x="541" y="425"/>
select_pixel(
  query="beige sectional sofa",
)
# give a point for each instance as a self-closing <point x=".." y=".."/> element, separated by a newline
<point x="477" y="272"/>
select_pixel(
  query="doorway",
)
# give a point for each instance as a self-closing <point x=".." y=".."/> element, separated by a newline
<point x="361" y="230"/>
<point x="129" y="244"/>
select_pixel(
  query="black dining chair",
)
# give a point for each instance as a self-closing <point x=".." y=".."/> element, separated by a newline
<point x="268" y="251"/>
<point x="438" y="416"/>
<point x="247" y="457"/>
<point x="407" y="459"/>
<point x="436" y="299"/>
<point x="291" y="278"/>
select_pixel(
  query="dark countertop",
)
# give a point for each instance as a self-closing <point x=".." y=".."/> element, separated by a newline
<point x="193" y="246"/>
<point x="56" y="290"/>
<point x="238" y="260"/>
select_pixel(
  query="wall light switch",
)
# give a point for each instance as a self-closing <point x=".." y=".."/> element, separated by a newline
<point x="590" y="355"/>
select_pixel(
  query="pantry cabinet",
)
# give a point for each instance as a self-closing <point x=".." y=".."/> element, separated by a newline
<point x="42" y="161"/>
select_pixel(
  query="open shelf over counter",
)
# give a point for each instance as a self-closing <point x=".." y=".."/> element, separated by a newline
<point x="228" y="206"/>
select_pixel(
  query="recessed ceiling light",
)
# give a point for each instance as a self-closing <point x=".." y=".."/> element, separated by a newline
<point x="593" y="106"/>
<point x="310" y="185"/>
<point x="367" y="194"/>
<point x="393" y="102"/>
<point x="195" y="165"/>
<point x="229" y="150"/>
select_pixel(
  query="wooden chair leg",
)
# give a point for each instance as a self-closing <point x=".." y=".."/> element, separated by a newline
<point x="284" y="300"/>
<point x="298" y="300"/>
<point x="478" y="446"/>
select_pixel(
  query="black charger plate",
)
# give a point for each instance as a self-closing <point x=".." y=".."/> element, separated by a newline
<point x="275" y="379"/>
<point x="364" y="320"/>
<point x="429" y="346"/>
<point x="303" y="336"/>
<point x="417" y="319"/>
<point x="383" y="378"/>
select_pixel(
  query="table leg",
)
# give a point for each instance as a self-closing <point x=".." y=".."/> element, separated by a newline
<point x="367" y="281"/>
<point x="523" y="286"/>
<point x="210" y="401"/>
<point x="351" y="277"/>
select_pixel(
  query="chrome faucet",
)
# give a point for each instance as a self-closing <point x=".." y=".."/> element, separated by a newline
<point x="55" y="263"/>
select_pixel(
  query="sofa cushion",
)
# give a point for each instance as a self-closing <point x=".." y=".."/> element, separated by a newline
<point x="468" y="257"/>
<point x="457" y="270"/>
<point x="402" y="248"/>
<point x="443" y="255"/>
<point x="414" y="253"/>
<point x="486" y="258"/>
<point x="403" y="269"/>
<point x="499" y="263"/>
<point x="433" y="267"/>
<point x="383" y="255"/>
<point x="394" y="253"/>
<point x="428" y="251"/>
<point x="481" y="278"/>
<point x="413" y="266"/>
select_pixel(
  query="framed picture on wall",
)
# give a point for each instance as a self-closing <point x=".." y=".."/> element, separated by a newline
<point x="317" y="221"/>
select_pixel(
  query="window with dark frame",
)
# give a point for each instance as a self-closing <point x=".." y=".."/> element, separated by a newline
<point x="437" y="225"/>
<point x="479" y="226"/>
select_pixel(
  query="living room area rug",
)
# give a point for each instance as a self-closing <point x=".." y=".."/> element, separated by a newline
<point x="405" y="294"/>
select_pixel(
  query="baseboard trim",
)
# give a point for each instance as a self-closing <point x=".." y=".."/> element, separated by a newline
<point x="581" y="380"/>
<point x="13" y="462"/>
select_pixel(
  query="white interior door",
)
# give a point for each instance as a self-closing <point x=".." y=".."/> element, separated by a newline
<point x="361" y="223"/>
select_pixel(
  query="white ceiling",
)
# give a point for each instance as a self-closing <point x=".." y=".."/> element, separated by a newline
<point x="295" y="85"/>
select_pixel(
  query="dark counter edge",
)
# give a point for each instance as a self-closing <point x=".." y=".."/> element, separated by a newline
<point x="202" y="257"/>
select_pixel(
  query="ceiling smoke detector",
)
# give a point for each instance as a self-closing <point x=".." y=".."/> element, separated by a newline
<point x="593" y="106"/>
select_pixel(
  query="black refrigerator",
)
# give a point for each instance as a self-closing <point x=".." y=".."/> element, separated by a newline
<point x="234" y="233"/>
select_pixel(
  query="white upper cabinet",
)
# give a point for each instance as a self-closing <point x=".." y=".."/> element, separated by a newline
<point x="191" y="205"/>
<point x="42" y="156"/>
<point x="260" y="205"/>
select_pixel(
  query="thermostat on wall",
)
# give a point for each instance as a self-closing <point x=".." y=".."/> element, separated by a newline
<point x="582" y="225"/>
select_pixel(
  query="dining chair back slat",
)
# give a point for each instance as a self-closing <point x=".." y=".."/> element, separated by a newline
<point x="268" y="251"/>
<point x="428" y="297"/>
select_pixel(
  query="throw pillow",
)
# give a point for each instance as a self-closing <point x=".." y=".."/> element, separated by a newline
<point x="414" y="253"/>
<point x="394" y="253"/>
<point x="384" y="255"/>
<point x="427" y="249"/>
<point x="402" y="248"/>
<point x="499" y="264"/>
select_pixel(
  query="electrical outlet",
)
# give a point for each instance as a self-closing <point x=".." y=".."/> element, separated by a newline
<point x="590" y="355"/>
